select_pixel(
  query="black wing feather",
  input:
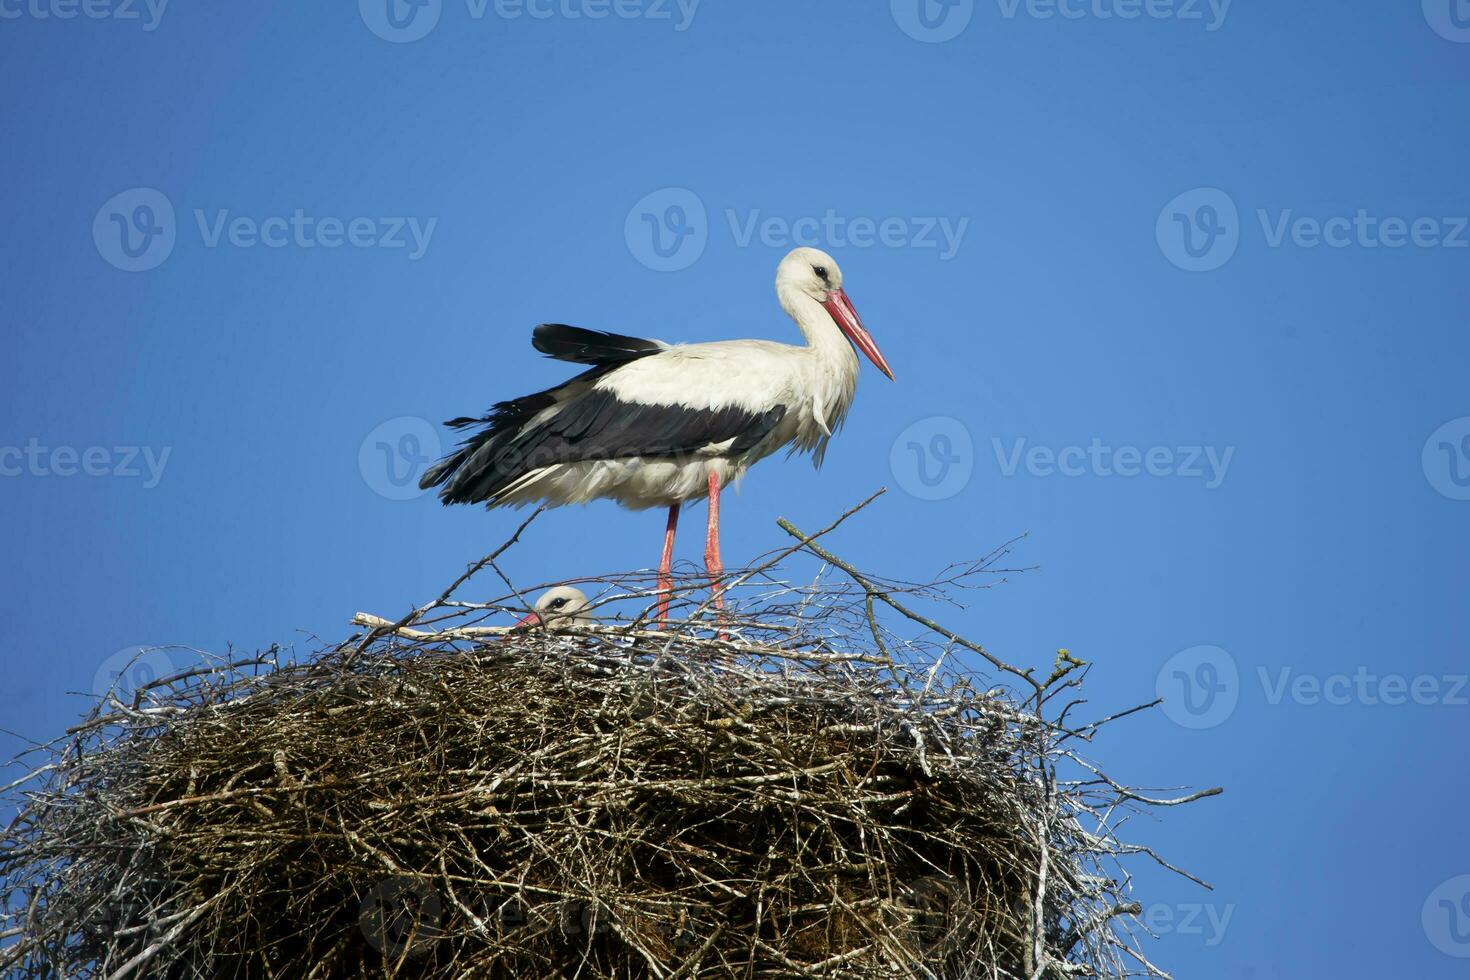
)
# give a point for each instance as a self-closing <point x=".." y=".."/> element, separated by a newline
<point x="593" y="424"/>
<point x="604" y="351"/>
<point x="582" y="346"/>
<point x="596" y="425"/>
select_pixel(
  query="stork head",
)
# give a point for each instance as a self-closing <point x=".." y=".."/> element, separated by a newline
<point x="558" y="607"/>
<point x="813" y="273"/>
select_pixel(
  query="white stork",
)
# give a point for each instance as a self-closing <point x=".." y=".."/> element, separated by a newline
<point x="655" y="425"/>
<point x="564" y="605"/>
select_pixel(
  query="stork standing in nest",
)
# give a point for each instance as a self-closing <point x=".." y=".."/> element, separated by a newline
<point x="651" y="424"/>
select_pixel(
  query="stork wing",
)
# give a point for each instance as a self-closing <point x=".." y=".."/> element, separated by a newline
<point x="598" y="425"/>
<point x="601" y="425"/>
<point x="582" y="346"/>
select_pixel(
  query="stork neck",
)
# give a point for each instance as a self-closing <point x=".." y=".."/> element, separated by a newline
<point x="816" y="325"/>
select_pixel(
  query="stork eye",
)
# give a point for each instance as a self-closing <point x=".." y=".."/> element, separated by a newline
<point x="820" y="270"/>
<point x="558" y="603"/>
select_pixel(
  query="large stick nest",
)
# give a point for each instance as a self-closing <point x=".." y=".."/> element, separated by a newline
<point x="805" y="794"/>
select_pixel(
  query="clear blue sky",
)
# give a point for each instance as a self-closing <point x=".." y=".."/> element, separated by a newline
<point x="1129" y="283"/>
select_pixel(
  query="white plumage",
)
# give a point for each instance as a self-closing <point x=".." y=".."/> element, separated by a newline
<point x="752" y="375"/>
<point x="558" y="607"/>
<point x="652" y="424"/>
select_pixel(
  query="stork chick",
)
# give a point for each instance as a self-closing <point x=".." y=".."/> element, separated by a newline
<point x="558" y="608"/>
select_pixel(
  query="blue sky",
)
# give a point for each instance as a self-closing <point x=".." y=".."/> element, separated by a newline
<point x="1178" y="289"/>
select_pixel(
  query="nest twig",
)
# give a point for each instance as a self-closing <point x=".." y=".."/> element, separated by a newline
<point x="802" y="789"/>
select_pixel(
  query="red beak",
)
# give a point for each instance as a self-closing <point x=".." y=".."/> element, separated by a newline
<point x="528" y="621"/>
<point x="847" y="318"/>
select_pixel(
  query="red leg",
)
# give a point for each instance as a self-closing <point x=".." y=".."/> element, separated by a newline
<point x="712" y="564"/>
<point x="665" y="567"/>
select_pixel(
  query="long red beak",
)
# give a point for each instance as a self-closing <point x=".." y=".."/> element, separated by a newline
<point x="529" y="620"/>
<point x="847" y="318"/>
